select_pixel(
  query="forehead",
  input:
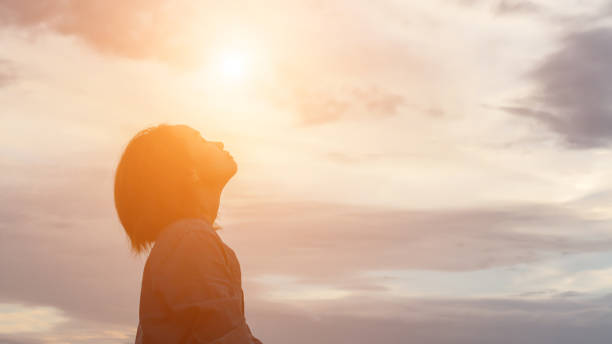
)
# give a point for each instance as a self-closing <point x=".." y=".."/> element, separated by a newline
<point x="188" y="131"/>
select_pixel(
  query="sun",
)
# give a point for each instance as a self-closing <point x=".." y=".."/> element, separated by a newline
<point x="234" y="65"/>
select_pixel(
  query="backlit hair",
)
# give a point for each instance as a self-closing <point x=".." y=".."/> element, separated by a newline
<point x="154" y="184"/>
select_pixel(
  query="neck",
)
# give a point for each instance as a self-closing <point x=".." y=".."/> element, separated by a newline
<point x="209" y="205"/>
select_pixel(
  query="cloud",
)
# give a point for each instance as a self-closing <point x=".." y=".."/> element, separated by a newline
<point x="509" y="7"/>
<point x="548" y="320"/>
<point x="75" y="331"/>
<point x="46" y="242"/>
<point x="437" y="321"/>
<point x="572" y="90"/>
<point x="380" y="103"/>
<point x="132" y="28"/>
<point x="344" y="158"/>
<point x="333" y="71"/>
<point x="361" y="239"/>
<point x="8" y="73"/>
<point x="47" y="256"/>
<point x="16" y="318"/>
<point x="504" y="7"/>
<point x="316" y="108"/>
<point x="20" y="340"/>
<point x="46" y="232"/>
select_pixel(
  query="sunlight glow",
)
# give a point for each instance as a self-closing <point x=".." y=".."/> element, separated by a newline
<point x="234" y="65"/>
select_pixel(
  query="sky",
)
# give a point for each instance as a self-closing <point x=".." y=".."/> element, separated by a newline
<point x="408" y="171"/>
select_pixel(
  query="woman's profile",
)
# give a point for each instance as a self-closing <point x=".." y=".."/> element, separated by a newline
<point x="168" y="186"/>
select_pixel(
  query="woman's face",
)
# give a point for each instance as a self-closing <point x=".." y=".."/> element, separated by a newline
<point x="215" y="164"/>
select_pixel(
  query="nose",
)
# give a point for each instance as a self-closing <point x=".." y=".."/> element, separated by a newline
<point x="219" y="144"/>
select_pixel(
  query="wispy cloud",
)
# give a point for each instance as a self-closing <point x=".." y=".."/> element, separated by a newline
<point x="504" y="7"/>
<point x="361" y="239"/>
<point x="315" y="108"/>
<point x="509" y="7"/>
<point x="15" y="318"/>
<point x="133" y="28"/>
<point x="8" y="73"/>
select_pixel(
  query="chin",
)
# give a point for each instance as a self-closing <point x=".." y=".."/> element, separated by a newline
<point x="233" y="168"/>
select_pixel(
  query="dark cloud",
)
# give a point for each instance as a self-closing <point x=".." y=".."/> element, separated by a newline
<point x="441" y="321"/>
<point x="553" y="320"/>
<point x="573" y="87"/>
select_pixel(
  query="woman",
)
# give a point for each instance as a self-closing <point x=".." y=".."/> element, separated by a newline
<point x="167" y="189"/>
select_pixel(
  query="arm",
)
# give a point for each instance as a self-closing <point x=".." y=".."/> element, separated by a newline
<point x="195" y="283"/>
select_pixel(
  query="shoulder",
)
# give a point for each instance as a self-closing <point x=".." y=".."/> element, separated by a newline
<point x="186" y="237"/>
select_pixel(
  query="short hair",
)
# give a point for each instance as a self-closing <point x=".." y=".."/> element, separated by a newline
<point x="154" y="184"/>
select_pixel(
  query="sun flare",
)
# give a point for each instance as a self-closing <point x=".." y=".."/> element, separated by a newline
<point x="234" y="65"/>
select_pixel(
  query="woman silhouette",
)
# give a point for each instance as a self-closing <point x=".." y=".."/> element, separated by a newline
<point x="167" y="189"/>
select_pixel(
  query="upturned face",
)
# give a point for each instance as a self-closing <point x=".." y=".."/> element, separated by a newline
<point x="214" y="164"/>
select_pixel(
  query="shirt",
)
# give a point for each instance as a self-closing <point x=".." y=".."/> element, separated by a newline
<point x="192" y="290"/>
